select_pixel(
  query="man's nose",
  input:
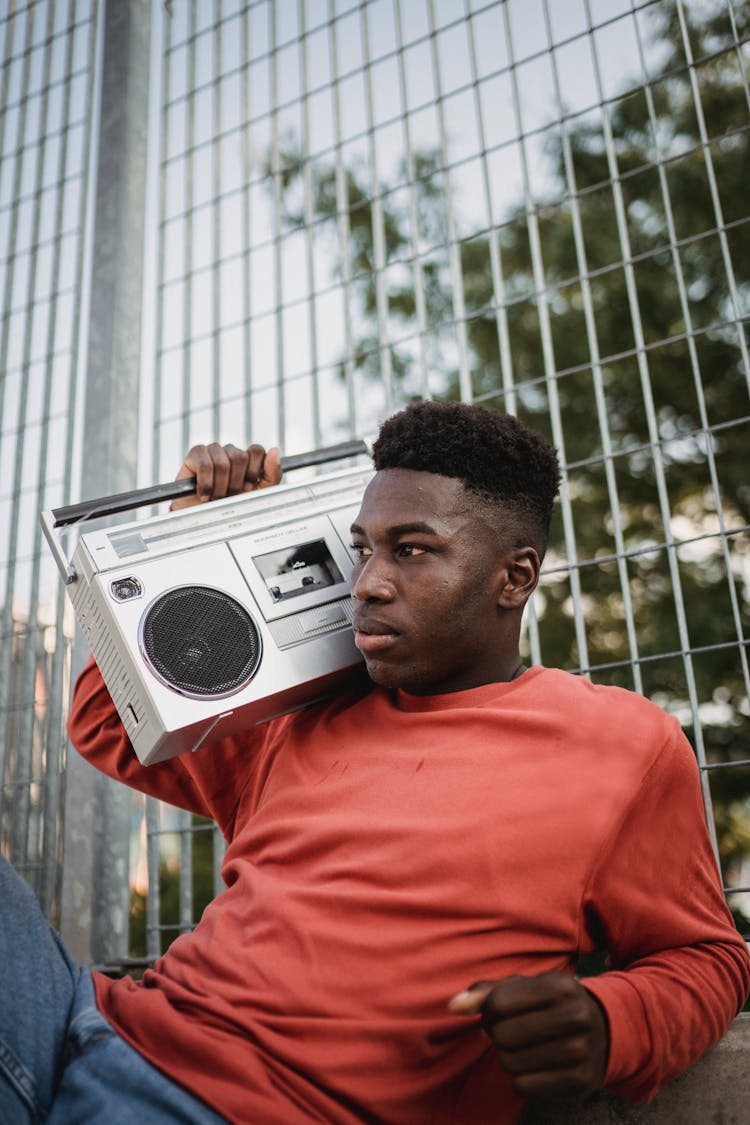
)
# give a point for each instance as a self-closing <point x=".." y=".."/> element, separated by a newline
<point x="373" y="581"/>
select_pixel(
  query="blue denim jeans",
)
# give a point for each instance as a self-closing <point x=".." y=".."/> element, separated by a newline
<point x="60" y="1060"/>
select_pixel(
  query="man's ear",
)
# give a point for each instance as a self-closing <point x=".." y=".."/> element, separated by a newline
<point x="519" y="578"/>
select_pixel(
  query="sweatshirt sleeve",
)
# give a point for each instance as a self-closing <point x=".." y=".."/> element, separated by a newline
<point x="680" y="969"/>
<point x="208" y="782"/>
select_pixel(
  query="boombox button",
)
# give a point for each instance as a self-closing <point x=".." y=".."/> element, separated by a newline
<point x="320" y="618"/>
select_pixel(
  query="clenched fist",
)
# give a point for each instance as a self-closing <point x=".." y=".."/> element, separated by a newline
<point x="550" y="1033"/>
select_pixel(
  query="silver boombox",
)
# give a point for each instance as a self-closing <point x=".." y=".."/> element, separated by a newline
<point x="216" y="617"/>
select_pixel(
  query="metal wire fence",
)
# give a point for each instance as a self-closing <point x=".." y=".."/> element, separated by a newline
<point x="46" y="106"/>
<point x="540" y="206"/>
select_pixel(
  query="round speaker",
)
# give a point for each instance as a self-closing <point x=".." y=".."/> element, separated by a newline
<point x="200" y="641"/>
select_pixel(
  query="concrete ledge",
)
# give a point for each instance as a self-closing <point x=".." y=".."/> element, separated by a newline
<point x="716" y="1091"/>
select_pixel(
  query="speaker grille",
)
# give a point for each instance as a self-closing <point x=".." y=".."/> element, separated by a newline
<point x="200" y="641"/>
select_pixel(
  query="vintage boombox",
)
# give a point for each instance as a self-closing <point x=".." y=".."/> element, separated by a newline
<point x="216" y="617"/>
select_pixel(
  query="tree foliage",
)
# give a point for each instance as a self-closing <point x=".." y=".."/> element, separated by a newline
<point x="632" y="344"/>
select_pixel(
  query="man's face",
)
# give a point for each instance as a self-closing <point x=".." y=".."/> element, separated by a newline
<point x="426" y="616"/>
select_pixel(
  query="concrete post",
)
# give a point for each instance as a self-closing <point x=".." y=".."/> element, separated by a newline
<point x="715" y="1091"/>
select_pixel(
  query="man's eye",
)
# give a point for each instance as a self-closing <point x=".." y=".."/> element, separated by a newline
<point x="411" y="550"/>
<point x="360" y="551"/>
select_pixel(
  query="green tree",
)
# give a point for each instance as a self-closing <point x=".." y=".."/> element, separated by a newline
<point x="644" y="349"/>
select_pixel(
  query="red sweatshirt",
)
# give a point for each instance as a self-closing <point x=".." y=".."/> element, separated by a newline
<point x="384" y="852"/>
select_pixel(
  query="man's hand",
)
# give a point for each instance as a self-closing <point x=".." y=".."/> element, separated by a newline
<point x="225" y="470"/>
<point x="550" y="1033"/>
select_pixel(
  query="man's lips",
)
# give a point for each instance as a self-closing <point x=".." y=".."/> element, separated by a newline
<point x="373" y="636"/>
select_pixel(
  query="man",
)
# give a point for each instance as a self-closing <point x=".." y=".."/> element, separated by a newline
<point x="413" y="867"/>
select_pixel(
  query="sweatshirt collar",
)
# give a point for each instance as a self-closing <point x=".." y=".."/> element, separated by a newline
<point x="471" y="697"/>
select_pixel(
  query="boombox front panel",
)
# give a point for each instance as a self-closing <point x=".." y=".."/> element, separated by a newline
<point x="204" y="640"/>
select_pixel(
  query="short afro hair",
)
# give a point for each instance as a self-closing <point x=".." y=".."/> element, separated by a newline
<point x="493" y="454"/>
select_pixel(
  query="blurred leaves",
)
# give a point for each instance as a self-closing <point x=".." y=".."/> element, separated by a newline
<point x="632" y="346"/>
<point x="201" y="890"/>
<point x="631" y="354"/>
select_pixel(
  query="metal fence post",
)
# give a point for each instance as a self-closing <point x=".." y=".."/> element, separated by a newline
<point x="95" y="895"/>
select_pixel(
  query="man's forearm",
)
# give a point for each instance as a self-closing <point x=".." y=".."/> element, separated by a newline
<point x="667" y="1010"/>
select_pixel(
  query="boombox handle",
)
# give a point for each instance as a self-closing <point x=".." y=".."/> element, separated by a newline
<point x="54" y="518"/>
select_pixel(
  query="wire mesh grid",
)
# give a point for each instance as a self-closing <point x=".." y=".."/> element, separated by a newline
<point x="46" y="102"/>
<point x="536" y="206"/>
